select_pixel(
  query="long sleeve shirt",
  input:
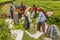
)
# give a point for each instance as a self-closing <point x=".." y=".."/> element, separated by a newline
<point x="41" y="17"/>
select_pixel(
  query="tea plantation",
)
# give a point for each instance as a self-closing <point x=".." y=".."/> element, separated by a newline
<point x="4" y="1"/>
<point x="4" y="31"/>
<point x="53" y="6"/>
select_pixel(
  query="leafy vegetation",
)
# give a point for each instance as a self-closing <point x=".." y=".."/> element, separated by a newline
<point x="4" y="1"/>
<point x="48" y="6"/>
<point x="53" y="6"/>
<point x="4" y="31"/>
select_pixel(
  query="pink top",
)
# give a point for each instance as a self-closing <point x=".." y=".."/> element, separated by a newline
<point x="35" y="8"/>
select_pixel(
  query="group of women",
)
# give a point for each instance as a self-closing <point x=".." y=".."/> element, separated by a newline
<point x="18" y="11"/>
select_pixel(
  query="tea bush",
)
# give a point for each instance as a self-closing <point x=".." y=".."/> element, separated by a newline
<point x="53" y="6"/>
<point x="4" y="31"/>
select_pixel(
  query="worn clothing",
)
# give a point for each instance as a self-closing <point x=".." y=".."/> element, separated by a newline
<point x="52" y="32"/>
<point x="28" y="15"/>
<point x="41" y="17"/>
<point x="35" y="9"/>
<point x="19" y="12"/>
<point x="16" y="18"/>
<point x="11" y="9"/>
<point x="41" y="21"/>
<point x="39" y="25"/>
<point x="11" y="12"/>
<point x="12" y="5"/>
<point x="33" y="15"/>
<point x="23" y="7"/>
<point x="26" y="23"/>
<point x="20" y="15"/>
<point x="27" y="20"/>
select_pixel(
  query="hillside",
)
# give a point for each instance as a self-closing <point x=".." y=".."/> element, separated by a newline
<point x="53" y="6"/>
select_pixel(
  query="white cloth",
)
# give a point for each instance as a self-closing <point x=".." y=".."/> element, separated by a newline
<point x="49" y="13"/>
<point x="10" y="22"/>
<point x="11" y="26"/>
<point x="36" y="35"/>
<point x="17" y="33"/>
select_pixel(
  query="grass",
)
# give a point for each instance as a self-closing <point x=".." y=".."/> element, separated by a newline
<point x="53" y="6"/>
<point x="5" y="9"/>
<point x="47" y="5"/>
<point x="4" y="1"/>
<point x="26" y="36"/>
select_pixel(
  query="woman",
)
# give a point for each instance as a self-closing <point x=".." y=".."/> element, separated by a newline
<point x="12" y="5"/>
<point x="20" y="12"/>
<point x="27" y="18"/>
<point x="11" y="11"/>
<point x="41" y="19"/>
<point x="34" y="11"/>
<point x="52" y="32"/>
<point x="16" y="15"/>
<point x="23" y="7"/>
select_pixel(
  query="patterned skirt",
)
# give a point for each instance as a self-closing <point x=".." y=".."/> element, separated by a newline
<point x="16" y="18"/>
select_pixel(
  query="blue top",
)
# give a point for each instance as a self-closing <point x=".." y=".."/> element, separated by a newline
<point x="41" y="17"/>
<point x="11" y="9"/>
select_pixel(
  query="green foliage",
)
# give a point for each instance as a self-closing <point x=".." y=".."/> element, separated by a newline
<point x="19" y="26"/>
<point x="48" y="6"/>
<point x="27" y="37"/>
<point x="4" y="31"/>
<point x="4" y="0"/>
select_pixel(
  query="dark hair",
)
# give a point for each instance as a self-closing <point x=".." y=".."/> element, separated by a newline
<point x="11" y="7"/>
<point x="12" y="3"/>
<point x="33" y="5"/>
